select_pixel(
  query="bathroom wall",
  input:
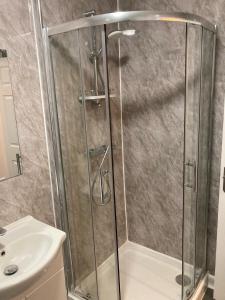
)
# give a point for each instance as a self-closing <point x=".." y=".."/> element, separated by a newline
<point x="29" y="193"/>
<point x="213" y="11"/>
<point x="153" y="118"/>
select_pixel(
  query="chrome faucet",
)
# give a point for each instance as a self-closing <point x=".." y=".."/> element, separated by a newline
<point x="2" y="231"/>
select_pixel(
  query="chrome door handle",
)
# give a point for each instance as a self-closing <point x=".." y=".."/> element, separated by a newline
<point x="191" y="182"/>
<point x="224" y="179"/>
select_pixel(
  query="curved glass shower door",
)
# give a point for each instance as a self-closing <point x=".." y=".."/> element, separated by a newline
<point x="81" y="118"/>
<point x="200" y="47"/>
<point x="69" y="123"/>
<point x="131" y="111"/>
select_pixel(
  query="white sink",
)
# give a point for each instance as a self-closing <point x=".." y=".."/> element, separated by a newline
<point x="31" y="246"/>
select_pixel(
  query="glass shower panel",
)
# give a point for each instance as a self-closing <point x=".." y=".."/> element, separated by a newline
<point x="70" y="113"/>
<point x="204" y="151"/>
<point x="153" y="91"/>
<point x="93" y="65"/>
<point x="192" y="102"/>
<point x="199" y="84"/>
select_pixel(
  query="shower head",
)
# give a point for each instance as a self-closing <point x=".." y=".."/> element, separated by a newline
<point x="119" y="33"/>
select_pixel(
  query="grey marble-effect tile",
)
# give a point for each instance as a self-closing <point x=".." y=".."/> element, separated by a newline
<point x="10" y="213"/>
<point x="153" y="110"/>
<point x="55" y="12"/>
<point x="14" y="18"/>
<point x="31" y="191"/>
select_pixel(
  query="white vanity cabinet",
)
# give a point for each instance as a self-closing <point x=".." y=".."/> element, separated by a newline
<point x="50" y="286"/>
<point x="53" y="288"/>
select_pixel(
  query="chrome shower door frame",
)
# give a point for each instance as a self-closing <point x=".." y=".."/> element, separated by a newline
<point x="61" y="210"/>
<point x="122" y="16"/>
<point x="197" y="279"/>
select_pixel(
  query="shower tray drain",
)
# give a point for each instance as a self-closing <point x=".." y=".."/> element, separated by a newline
<point x="10" y="270"/>
<point x="179" y="280"/>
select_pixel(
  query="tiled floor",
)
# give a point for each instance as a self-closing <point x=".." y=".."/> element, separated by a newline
<point x="208" y="295"/>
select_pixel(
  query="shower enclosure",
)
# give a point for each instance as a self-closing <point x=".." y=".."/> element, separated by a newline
<point x="130" y="100"/>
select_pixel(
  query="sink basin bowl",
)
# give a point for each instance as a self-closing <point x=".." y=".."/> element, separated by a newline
<point x="29" y="245"/>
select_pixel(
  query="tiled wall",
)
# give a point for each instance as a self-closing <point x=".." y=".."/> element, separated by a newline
<point x="214" y="12"/>
<point x="153" y="89"/>
<point x="29" y="193"/>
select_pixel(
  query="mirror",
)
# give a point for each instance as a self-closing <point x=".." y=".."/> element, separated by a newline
<point x="10" y="158"/>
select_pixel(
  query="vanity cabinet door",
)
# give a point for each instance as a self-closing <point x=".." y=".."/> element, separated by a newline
<point x="52" y="289"/>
